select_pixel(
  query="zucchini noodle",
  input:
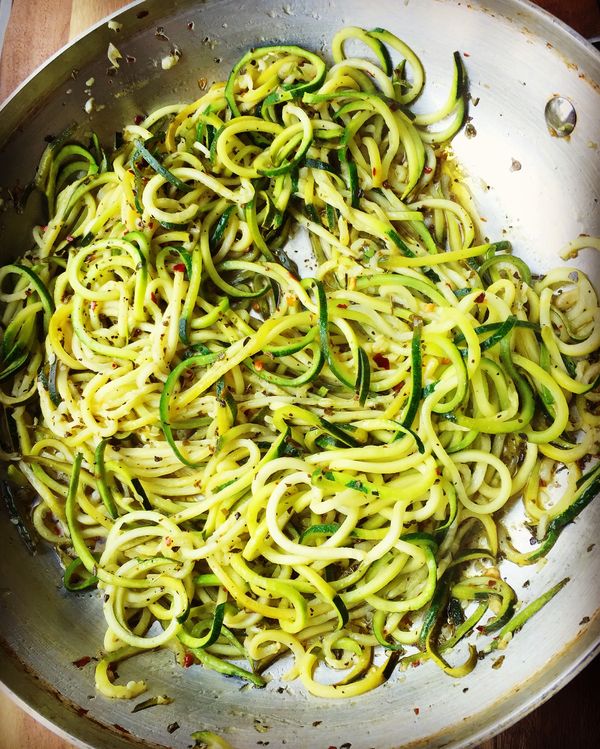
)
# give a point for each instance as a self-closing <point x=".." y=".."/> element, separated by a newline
<point x="253" y="461"/>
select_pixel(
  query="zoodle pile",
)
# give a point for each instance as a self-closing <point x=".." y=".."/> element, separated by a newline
<point x="253" y="460"/>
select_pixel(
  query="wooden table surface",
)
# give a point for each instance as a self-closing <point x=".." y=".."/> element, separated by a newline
<point x="37" y="28"/>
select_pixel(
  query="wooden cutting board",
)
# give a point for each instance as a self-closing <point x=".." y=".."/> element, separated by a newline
<point x="37" y="29"/>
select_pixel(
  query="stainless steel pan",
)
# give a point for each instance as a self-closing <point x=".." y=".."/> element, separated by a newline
<point x="518" y="58"/>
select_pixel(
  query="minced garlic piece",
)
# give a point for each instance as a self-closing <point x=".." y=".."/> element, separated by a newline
<point x="170" y="60"/>
<point x="114" y="55"/>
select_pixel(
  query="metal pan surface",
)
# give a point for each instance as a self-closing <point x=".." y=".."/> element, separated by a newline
<point x="517" y="58"/>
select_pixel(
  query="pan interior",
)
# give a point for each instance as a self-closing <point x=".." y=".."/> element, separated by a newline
<point x="517" y="59"/>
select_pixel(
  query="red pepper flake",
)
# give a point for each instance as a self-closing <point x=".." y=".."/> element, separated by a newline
<point x="188" y="660"/>
<point x="374" y="171"/>
<point x="343" y="306"/>
<point x="491" y="583"/>
<point x="414" y="664"/>
<point x="427" y="169"/>
<point x="70" y="238"/>
<point x="82" y="661"/>
<point x="466" y="54"/>
<point x="444" y="360"/>
<point x="138" y="119"/>
<point x="480" y="299"/>
<point x="416" y="710"/>
<point x="153" y="296"/>
<point x="179" y="268"/>
<point x="44" y="228"/>
<point x="259" y="365"/>
<point x="382" y="361"/>
<point x="398" y="387"/>
<point x="168" y="541"/>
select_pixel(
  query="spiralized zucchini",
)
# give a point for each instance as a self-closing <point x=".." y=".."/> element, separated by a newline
<point x="253" y="460"/>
